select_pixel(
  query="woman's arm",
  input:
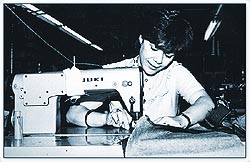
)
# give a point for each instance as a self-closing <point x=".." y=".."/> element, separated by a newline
<point x="76" y="115"/>
<point x="117" y="117"/>
<point x="201" y="108"/>
<point x="197" y="112"/>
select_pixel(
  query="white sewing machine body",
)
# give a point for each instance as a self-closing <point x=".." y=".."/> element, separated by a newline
<point x="37" y="95"/>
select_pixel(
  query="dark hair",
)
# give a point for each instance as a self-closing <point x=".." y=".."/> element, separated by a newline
<point x="168" y="28"/>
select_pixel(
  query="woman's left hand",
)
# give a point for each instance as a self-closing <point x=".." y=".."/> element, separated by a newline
<point x="176" y="121"/>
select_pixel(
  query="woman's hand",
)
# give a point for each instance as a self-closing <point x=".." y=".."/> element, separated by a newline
<point x="118" y="117"/>
<point x="176" y="121"/>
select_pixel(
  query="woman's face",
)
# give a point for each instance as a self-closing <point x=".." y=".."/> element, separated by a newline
<point x="152" y="59"/>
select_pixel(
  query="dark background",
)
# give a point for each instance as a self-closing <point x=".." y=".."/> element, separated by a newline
<point x="114" y="27"/>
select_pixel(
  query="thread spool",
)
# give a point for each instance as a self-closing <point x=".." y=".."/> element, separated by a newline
<point x="18" y="125"/>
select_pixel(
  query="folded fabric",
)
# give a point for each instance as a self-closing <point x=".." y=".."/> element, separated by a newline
<point x="151" y="140"/>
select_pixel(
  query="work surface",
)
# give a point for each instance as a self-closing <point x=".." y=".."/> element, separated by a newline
<point x="110" y="142"/>
<point x="69" y="142"/>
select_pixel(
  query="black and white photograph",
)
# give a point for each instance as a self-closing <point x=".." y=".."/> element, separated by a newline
<point x="124" y="80"/>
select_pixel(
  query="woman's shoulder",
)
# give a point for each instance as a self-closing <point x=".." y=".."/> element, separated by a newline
<point x="131" y="62"/>
<point x="178" y="67"/>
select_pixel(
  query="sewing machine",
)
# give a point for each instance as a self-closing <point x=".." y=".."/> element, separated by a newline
<point x="37" y="95"/>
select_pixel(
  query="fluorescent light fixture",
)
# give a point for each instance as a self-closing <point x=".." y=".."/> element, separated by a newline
<point x="42" y="15"/>
<point x="213" y="25"/>
<point x="71" y="32"/>
<point x="97" y="47"/>
<point x="211" y="29"/>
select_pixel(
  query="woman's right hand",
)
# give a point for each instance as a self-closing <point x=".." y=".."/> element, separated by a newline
<point x="118" y="117"/>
